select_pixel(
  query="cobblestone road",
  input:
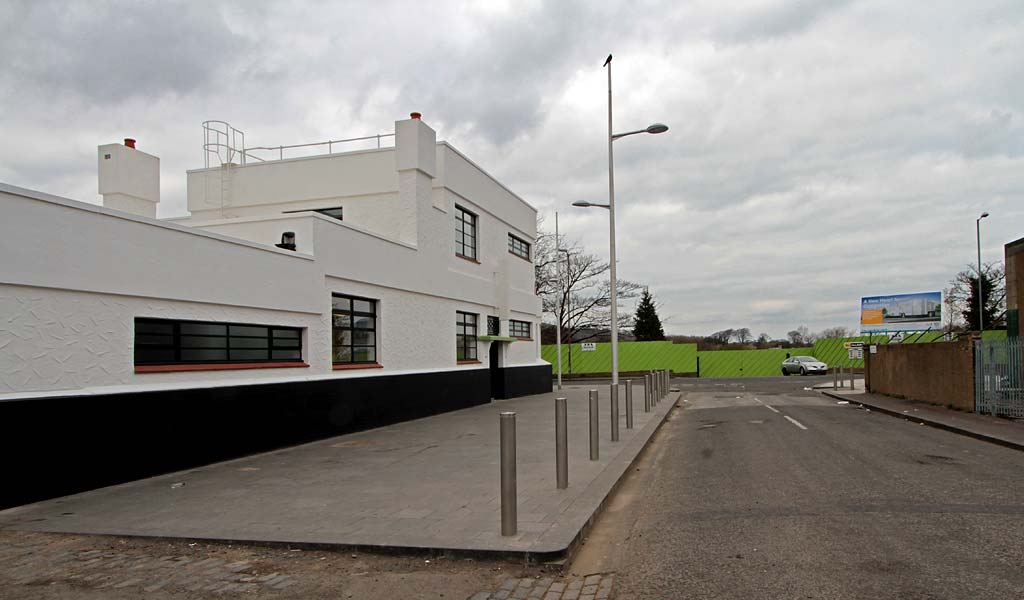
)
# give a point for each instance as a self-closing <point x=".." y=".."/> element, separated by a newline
<point x="591" y="587"/>
<point x="91" y="563"/>
<point x="74" y="567"/>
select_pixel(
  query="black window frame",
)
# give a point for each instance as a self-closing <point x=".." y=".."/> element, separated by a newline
<point x="461" y="234"/>
<point x="517" y="246"/>
<point x="340" y="216"/>
<point x="324" y="211"/>
<point x="516" y="332"/>
<point x="352" y="313"/>
<point x="179" y="346"/>
<point x="466" y="343"/>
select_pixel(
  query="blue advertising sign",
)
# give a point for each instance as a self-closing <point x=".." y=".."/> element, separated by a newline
<point x="901" y="312"/>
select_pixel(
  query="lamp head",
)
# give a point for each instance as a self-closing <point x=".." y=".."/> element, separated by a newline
<point x="657" y="128"/>
<point x="983" y="215"/>
<point x="581" y="203"/>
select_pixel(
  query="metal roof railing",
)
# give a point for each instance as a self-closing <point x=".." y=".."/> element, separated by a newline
<point x="227" y="144"/>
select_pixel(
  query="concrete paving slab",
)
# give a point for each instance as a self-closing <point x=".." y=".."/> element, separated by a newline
<point x="430" y="484"/>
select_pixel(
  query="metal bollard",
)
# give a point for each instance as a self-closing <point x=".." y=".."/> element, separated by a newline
<point x="595" y="450"/>
<point x="561" y="445"/>
<point x="629" y="404"/>
<point x="508" y="473"/>
<point x="647" y="393"/>
<point x="614" y="406"/>
<point x="851" y="378"/>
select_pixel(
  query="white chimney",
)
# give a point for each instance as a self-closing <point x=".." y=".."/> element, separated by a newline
<point x="416" y="163"/>
<point x="129" y="180"/>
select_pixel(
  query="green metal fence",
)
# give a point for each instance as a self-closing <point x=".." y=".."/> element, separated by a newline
<point x="684" y="358"/>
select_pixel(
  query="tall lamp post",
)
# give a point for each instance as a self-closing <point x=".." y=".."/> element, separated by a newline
<point x="981" y="291"/>
<point x="563" y="302"/>
<point x="560" y="309"/>
<point x="654" y="128"/>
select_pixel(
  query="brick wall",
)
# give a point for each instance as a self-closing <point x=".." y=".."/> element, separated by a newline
<point x="1014" y="286"/>
<point x="939" y="373"/>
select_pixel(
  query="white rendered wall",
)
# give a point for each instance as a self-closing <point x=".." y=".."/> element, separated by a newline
<point x="221" y="190"/>
<point x="62" y="244"/>
<point x="69" y="340"/>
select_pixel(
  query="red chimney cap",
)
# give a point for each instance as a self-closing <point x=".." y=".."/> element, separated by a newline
<point x="130" y="142"/>
<point x="415" y="115"/>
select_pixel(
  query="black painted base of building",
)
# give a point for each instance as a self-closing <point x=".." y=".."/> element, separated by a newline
<point x="58" y="446"/>
<point x="512" y="382"/>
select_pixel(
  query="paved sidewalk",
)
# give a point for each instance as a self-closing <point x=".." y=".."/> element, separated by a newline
<point x="430" y="484"/>
<point x="1004" y="432"/>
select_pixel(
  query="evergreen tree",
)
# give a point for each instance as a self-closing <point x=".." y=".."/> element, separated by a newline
<point x="647" y="325"/>
<point x="991" y="298"/>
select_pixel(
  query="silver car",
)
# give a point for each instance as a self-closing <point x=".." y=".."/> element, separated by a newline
<point x="804" y="365"/>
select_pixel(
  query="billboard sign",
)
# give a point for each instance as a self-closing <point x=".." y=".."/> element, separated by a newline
<point x="901" y="312"/>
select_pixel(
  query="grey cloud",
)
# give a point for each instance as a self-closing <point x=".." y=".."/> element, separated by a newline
<point x="108" y="51"/>
<point x="778" y="19"/>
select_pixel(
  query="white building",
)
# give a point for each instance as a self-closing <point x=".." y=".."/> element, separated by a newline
<point x="410" y="291"/>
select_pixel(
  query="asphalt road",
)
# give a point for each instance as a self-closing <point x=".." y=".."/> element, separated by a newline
<point x="757" y="488"/>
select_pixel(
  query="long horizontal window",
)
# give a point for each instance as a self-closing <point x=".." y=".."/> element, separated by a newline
<point x="169" y="342"/>
<point x="353" y="330"/>
<point x="519" y="329"/>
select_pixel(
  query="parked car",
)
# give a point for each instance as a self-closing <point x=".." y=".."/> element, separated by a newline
<point x="804" y="365"/>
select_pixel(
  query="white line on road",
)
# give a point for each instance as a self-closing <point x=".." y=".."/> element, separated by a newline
<point x="794" y="421"/>
<point x="768" y="406"/>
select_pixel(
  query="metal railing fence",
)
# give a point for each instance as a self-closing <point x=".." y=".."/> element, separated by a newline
<point x="998" y="365"/>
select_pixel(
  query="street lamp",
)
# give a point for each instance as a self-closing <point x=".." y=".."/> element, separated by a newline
<point x="653" y="128"/>
<point x="981" y="292"/>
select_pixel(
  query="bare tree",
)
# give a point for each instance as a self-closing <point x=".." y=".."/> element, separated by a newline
<point x="801" y="336"/>
<point x="576" y="289"/>
<point x="721" y="337"/>
<point x="834" y="332"/>
<point x="742" y="335"/>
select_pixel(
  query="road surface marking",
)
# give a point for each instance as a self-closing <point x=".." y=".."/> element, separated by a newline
<point x="768" y="406"/>
<point x="794" y="421"/>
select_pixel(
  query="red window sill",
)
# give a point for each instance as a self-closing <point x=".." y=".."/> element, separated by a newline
<point x="526" y="339"/>
<point x="347" y="367"/>
<point x="218" y="367"/>
<point x="472" y="260"/>
<point x="467" y="362"/>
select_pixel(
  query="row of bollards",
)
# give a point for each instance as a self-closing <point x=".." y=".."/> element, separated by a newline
<point x="656" y="385"/>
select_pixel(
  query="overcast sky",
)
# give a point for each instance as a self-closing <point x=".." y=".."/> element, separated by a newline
<point x="819" y="150"/>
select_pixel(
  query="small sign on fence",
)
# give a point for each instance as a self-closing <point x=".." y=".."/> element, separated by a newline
<point x="588" y="346"/>
<point x="856" y="353"/>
